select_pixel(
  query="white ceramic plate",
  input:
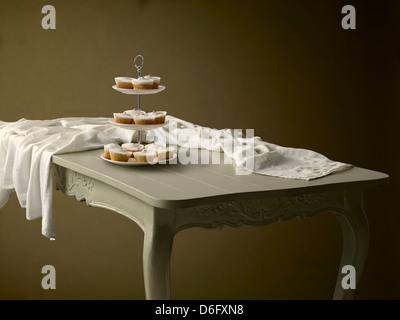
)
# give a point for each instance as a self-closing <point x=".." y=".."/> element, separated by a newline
<point x="139" y="91"/>
<point x="134" y="163"/>
<point x="138" y="126"/>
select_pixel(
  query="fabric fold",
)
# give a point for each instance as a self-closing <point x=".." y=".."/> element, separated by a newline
<point x="26" y="148"/>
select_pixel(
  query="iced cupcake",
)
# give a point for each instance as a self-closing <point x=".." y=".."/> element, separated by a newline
<point x="156" y="81"/>
<point x="153" y="147"/>
<point x="108" y="147"/>
<point x="135" y="112"/>
<point x="132" y="147"/>
<point x="124" y="82"/>
<point x="142" y="83"/>
<point x="159" y="116"/>
<point x="165" y="153"/>
<point x="144" y="156"/>
<point x="120" y="154"/>
<point x="123" y="118"/>
<point x="143" y="119"/>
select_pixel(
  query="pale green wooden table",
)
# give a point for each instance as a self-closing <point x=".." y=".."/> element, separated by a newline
<point x="164" y="199"/>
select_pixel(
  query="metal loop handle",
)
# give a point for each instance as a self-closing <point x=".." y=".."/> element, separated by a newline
<point x="137" y="66"/>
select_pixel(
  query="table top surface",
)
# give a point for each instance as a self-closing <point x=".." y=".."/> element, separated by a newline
<point x="179" y="185"/>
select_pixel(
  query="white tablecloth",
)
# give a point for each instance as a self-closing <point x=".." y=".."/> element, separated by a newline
<point x="26" y="148"/>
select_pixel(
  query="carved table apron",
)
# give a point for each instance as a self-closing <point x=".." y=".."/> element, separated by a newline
<point x="165" y="199"/>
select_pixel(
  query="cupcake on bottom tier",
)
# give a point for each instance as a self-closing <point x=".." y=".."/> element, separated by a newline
<point x="164" y="154"/>
<point x="120" y="154"/>
<point x="144" y="156"/>
<point x="153" y="147"/>
<point x="132" y="147"/>
<point x="107" y="149"/>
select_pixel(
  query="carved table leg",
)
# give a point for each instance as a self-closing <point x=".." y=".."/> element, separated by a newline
<point x="355" y="229"/>
<point x="157" y="247"/>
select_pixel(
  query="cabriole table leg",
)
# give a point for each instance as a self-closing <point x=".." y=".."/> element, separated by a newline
<point x="158" y="239"/>
<point x="354" y="224"/>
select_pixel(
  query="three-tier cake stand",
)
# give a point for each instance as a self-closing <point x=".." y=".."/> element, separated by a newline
<point x="138" y="93"/>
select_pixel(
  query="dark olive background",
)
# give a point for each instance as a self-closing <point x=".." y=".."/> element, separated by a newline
<point x="286" y="69"/>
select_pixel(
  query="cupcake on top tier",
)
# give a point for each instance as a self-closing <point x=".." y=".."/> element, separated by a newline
<point x="142" y="83"/>
<point x="124" y="82"/>
<point x="156" y="80"/>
